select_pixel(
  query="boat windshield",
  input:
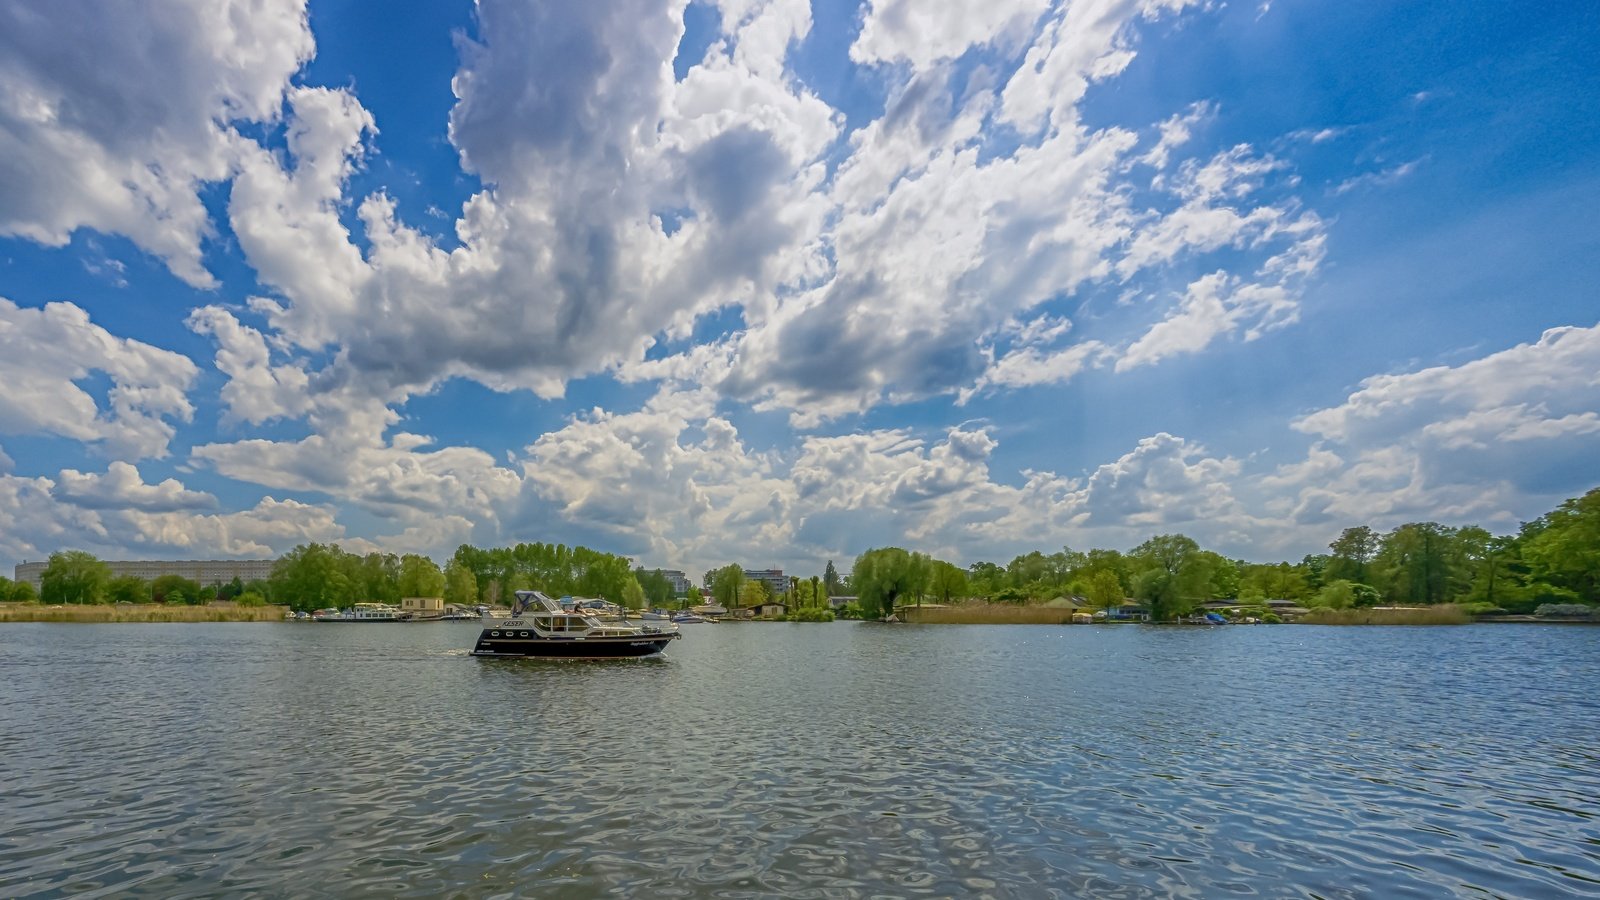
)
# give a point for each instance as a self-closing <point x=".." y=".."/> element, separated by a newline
<point x="535" y="600"/>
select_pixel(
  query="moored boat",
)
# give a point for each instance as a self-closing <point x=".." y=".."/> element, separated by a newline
<point x="362" y="612"/>
<point x="540" y="627"/>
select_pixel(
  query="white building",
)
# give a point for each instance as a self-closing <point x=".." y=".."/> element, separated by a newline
<point x="680" y="581"/>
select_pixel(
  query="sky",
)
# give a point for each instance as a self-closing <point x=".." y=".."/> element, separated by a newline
<point x="776" y="282"/>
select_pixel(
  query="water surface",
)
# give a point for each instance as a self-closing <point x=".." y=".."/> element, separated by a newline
<point x="299" y="759"/>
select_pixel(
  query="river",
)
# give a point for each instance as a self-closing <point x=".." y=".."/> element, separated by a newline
<point x="840" y="760"/>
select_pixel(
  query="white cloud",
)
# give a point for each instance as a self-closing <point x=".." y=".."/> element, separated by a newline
<point x="1029" y="366"/>
<point x="122" y="487"/>
<point x="926" y="33"/>
<point x="44" y="353"/>
<point x="1213" y="305"/>
<point x="112" y="117"/>
<point x="1176" y="130"/>
<point x="1492" y="441"/>
<point x="256" y="391"/>
<point x="1379" y="179"/>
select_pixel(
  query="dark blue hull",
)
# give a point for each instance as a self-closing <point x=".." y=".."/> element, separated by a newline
<point x="622" y="647"/>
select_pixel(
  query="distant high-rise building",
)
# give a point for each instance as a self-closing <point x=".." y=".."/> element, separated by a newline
<point x="204" y="571"/>
<point x="774" y="579"/>
<point x="680" y="581"/>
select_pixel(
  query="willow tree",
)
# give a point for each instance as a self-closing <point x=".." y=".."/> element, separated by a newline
<point x="884" y="576"/>
<point x="74" y="576"/>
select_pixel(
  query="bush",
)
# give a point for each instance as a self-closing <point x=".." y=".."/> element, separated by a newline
<point x="811" y="615"/>
<point x="1271" y="619"/>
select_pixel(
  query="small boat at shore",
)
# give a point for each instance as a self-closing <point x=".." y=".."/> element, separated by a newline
<point x="540" y="627"/>
<point x="687" y="618"/>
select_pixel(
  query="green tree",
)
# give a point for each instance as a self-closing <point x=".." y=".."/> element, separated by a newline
<point x="658" y="590"/>
<point x="1263" y="581"/>
<point x="302" y="579"/>
<point x="74" y="576"/>
<point x="1418" y="564"/>
<point x="885" y="576"/>
<point x="728" y="586"/>
<point x="1102" y="590"/>
<point x="946" y="581"/>
<point x="985" y="579"/>
<point x="1174" y="575"/>
<point x="1494" y="568"/>
<point x="830" y="580"/>
<point x="128" y="589"/>
<point x="420" y="577"/>
<point x="1562" y="547"/>
<point x="753" y="593"/>
<point x="1313" y="568"/>
<point x="1334" y="595"/>
<point x="1224" y="575"/>
<point x="16" y="591"/>
<point x="460" y="585"/>
<point x="632" y="594"/>
<point x="174" y="589"/>
<point x="1353" y="552"/>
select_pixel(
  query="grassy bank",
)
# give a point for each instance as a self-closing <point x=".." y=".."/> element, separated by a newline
<point x="142" y="612"/>
<point x="987" y="614"/>
<point x="1429" y="615"/>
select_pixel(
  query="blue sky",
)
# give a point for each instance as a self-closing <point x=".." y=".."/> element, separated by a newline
<point x="777" y="282"/>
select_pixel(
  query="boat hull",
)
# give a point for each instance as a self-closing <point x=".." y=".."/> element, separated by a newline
<point x="618" y="647"/>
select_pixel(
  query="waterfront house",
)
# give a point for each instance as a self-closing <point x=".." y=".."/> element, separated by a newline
<point x="422" y="607"/>
<point x="766" y="611"/>
<point x="1129" y="611"/>
<point x="1286" y="609"/>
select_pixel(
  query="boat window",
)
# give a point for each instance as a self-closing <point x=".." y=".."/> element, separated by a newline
<point x="522" y="634"/>
<point x="494" y="634"/>
<point x="543" y="622"/>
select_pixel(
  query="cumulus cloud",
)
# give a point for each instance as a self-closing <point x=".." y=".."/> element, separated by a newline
<point x="925" y="33"/>
<point x="44" y="353"/>
<point x="256" y="390"/>
<point x="1494" y="440"/>
<point x="122" y="487"/>
<point x="113" y="116"/>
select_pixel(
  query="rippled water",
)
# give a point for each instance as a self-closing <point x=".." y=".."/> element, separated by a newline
<point x="837" y="760"/>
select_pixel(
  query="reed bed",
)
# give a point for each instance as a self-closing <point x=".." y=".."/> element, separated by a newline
<point x="143" y="612"/>
<point x="1447" y="614"/>
<point x="987" y="614"/>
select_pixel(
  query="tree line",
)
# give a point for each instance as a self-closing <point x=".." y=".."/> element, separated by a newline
<point x="1554" y="559"/>
<point x="318" y="576"/>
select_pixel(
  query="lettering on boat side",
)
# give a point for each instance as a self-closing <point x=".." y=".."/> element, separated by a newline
<point x="511" y="624"/>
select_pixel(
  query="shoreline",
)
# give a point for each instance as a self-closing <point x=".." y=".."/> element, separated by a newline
<point x="137" y="613"/>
